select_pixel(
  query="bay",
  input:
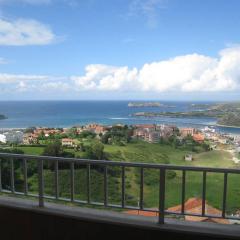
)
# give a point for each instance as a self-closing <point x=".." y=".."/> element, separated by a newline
<point x="22" y="114"/>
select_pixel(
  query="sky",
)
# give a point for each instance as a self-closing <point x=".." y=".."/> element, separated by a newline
<point x="119" y="49"/>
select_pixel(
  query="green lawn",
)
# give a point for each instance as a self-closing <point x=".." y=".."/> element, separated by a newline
<point x="31" y="150"/>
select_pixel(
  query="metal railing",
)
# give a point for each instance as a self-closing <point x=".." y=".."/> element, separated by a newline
<point x="162" y="168"/>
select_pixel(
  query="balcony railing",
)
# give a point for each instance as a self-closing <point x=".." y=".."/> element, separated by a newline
<point x="162" y="168"/>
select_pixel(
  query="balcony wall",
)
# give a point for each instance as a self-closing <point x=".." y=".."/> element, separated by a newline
<point x="22" y="219"/>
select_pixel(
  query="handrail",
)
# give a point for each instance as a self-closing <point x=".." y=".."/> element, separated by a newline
<point x="105" y="163"/>
<point x="126" y="164"/>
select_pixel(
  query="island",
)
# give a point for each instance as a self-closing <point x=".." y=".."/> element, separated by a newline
<point x="2" y="117"/>
<point x="227" y="114"/>
<point x="145" y="104"/>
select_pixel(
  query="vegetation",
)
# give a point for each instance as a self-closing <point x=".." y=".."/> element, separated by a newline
<point x="118" y="135"/>
<point x="186" y="143"/>
<point x="95" y="151"/>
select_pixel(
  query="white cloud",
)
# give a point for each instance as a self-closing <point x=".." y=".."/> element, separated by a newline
<point x="187" y="73"/>
<point x="103" y="77"/>
<point x="34" y="83"/>
<point x="25" y="32"/>
<point x="16" y="78"/>
<point x="148" y="9"/>
<point x="52" y="86"/>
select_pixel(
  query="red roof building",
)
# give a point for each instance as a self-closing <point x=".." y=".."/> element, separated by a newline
<point x="192" y="206"/>
<point x="198" y="137"/>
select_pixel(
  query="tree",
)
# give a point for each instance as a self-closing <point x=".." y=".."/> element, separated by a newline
<point x="85" y="134"/>
<point x="80" y="147"/>
<point x="53" y="149"/>
<point x="105" y="138"/>
<point x="73" y="132"/>
<point x="5" y="166"/>
<point x="95" y="151"/>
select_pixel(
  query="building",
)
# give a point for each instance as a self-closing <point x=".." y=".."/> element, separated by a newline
<point x="152" y="133"/>
<point x="187" y="132"/>
<point x="96" y="128"/>
<point x="167" y="131"/>
<point x="67" y="142"/>
<point x="198" y="137"/>
<point x="101" y="129"/>
<point x="153" y="136"/>
<point x="13" y="136"/>
<point x="145" y="126"/>
<point x="139" y="133"/>
<point x="194" y="206"/>
<point x="46" y="131"/>
<point x="30" y="138"/>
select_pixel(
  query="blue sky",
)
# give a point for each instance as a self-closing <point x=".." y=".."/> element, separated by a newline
<point x="119" y="49"/>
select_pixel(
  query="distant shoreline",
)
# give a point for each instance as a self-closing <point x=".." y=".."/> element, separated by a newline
<point x="227" y="126"/>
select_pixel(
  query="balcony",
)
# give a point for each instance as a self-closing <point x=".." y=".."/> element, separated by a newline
<point x="47" y="218"/>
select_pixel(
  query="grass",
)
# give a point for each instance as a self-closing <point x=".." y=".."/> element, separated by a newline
<point x="150" y="153"/>
<point x="32" y="150"/>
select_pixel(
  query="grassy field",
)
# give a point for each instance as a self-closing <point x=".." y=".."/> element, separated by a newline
<point x="151" y="153"/>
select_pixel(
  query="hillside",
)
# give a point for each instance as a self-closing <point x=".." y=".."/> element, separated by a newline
<point x="227" y="114"/>
<point x="145" y="152"/>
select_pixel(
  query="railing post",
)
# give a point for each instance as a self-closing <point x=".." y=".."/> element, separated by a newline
<point x="225" y="183"/>
<point x="40" y="183"/>
<point x="72" y="180"/>
<point x="12" y="175"/>
<point x="0" y="175"/>
<point x="161" y="211"/>
<point x="105" y="186"/>
<point x="141" y="203"/>
<point x="56" y="179"/>
<point x="183" y="191"/>
<point x="25" y="176"/>
<point x="123" y="187"/>
<point x="204" y="193"/>
<point x="88" y="183"/>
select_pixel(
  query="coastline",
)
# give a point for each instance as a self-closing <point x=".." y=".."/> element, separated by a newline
<point x="227" y="126"/>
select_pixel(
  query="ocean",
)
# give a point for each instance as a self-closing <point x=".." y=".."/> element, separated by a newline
<point x="23" y="114"/>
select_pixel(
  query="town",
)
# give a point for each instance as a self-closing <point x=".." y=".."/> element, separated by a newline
<point x="121" y="135"/>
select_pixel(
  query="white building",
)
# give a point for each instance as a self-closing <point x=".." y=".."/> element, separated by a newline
<point x="3" y="138"/>
<point x="67" y="142"/>
<point x="14" y="136"/>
